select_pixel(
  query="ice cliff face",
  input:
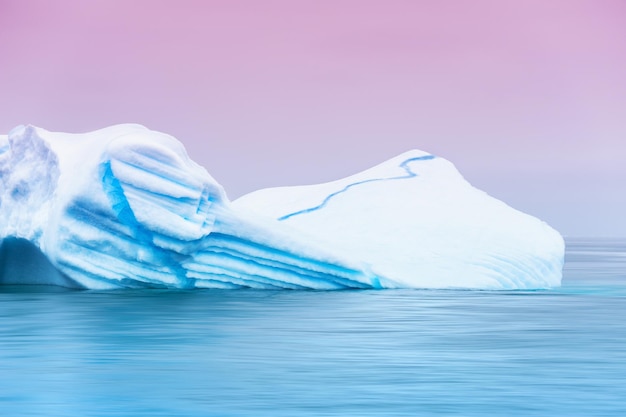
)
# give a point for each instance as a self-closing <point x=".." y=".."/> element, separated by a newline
<point x="126" y="207"/>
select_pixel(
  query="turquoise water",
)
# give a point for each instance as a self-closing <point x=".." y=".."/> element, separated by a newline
<point x="306" y="353"/>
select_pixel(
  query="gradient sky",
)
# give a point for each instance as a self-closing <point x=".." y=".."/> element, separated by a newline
<point x="527" y="98"/>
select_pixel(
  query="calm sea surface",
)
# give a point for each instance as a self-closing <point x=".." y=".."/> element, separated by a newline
<point x="309" y="353"/>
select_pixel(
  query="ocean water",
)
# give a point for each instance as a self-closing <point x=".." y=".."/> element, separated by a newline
<point x="386" y="353"/>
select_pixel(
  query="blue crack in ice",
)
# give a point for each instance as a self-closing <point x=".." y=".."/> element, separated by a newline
<point x="404" y="165"/>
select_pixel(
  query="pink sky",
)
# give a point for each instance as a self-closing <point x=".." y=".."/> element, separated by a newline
<point x="527" y="98"/>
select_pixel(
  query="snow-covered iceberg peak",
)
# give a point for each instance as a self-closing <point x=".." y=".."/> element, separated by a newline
<point x="416" y="220"/>
<point x="126" y="207"/>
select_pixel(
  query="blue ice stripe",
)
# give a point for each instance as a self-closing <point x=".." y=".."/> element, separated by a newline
<point x="404" y="165"/>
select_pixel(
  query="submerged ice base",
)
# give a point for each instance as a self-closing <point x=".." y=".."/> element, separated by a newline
<point x="126" y="207"/>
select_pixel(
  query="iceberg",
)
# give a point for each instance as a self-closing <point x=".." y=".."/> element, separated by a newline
<point x="125" y="207"/>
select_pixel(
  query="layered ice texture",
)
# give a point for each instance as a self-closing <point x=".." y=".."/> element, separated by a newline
<point x="125" y="207"/>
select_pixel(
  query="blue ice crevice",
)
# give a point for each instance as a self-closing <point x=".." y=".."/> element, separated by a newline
<point x="405" y="165"/>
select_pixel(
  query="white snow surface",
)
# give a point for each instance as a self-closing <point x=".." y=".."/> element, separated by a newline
<point x="126" y="207"/>
<point x="415" y="220"/>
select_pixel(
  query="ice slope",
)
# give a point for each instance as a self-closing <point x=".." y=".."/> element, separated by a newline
<point x="126" y="207"/>
<point x="415" y="220"/>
